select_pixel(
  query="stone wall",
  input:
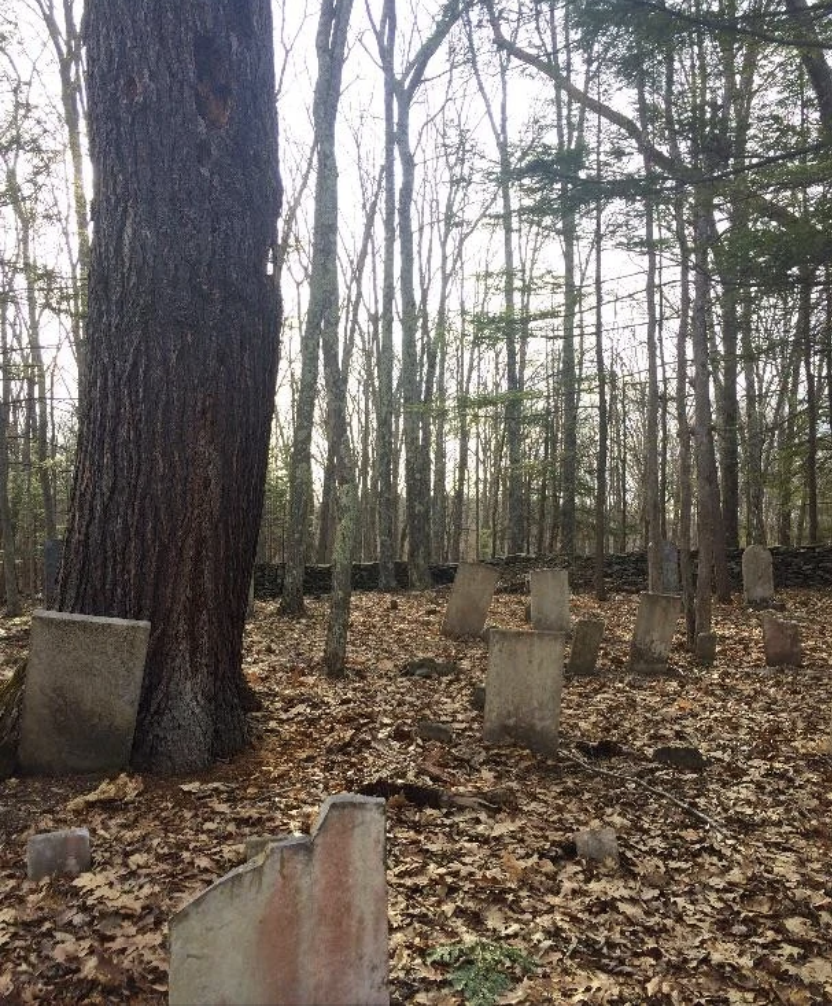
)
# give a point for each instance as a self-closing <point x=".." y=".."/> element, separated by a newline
<point x="809" y="566"/>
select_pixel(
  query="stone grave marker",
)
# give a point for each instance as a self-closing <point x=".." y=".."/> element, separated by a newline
<point x="671" y="583"/>
<point x="586" y="641"/>
<point x="523" y="688"/>
<point x="757" y="575"/>
<point x="58" y="852"/>
<point x="470" y="599"/>
<point x="781" y="640"/>
<point x="550" y="600"/>
<point x="706" y="643"/>
<point x="305" y="922"/>
<point x="83" y="680"/>
<point x="655" y="625"/>
<point x="52" y="551"/>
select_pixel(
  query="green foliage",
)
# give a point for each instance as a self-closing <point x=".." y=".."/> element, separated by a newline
<point x="482" y="971"/>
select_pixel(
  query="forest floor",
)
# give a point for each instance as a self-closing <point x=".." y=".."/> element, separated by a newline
<point x="723" y="893"/>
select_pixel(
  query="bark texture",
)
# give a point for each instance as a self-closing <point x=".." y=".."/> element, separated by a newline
<point x="183" y="340"/>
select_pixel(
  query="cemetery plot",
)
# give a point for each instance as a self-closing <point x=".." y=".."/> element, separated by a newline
<point x="723" y="858"/>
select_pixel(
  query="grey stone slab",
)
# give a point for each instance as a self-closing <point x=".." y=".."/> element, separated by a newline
<point x="655" y="626"/>
<point x="53" y="549"/>
<point x="83" y="681"/>
<point x="586" y="641"/>
<point x="598" y="845"/>
<point x="523" y="689"/>
<point x="470" y="599"/>
<point x="706" y="647"/>
<point x="671" y="582"/>
<point x="305" y="922"/>
<point x="51" y="853"/>
<point x="550" y="600"/>
<point x="781" y="639"/>
<point x="757" y="575"/>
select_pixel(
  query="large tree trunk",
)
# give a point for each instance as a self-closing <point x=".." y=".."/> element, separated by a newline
<point x="183" y="339"/>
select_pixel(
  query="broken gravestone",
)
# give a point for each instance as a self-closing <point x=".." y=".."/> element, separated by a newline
<point x="757" y="575"/>
<point x="470" y="599"/>
<point x="781" y="640"/>
<point x="655" y="625"/>
<point x="305" y="922"/>
<point x="598" y="845"/>
<point x="550" y="600"/>
<point x="65" y="853"/>
<point x="586" y="641"/>
<point x="523" y="688"/>
<point x="81" y="693"/>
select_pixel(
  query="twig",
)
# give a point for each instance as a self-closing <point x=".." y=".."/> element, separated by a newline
<point x="716" y="825"/>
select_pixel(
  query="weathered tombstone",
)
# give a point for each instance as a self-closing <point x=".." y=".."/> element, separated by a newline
<point x="523" y="687"/>
<point x="598" y="845"/>
<point x="83" y="679"/>
<point x="670" y="568"/>
<point x="586" y="641"/>
<point x="655" y="625"/>
<point x="65" y="853"/>
<point x="550" y="600"/>
<point x="781" y="640"/>
<point x="706" y="647"/>
<point x="305" y="922"/>
<point x="471" y="595"/>
<point x="52" y="551"/>
<point x="757" y="575"/>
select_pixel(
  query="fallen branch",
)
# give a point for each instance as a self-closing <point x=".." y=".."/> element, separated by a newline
<point x="716" y="825"/>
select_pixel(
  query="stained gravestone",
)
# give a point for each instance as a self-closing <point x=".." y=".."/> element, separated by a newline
<point x="781" y="640"/>
<point x="523" y="688"/>
<point x="305" y="922"/>
<point x="470" y="599"/>
<point x="83" y="679"/>
<point x="655" y="625"/>
<point x="550" y="600"/>
<point x="670" y="568"/>
<point x="52" y="551"/>
<point x="586" y="641"/>
<point x="757" y="575"/>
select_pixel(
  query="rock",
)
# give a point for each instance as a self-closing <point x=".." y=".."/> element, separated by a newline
<point x="681" y="757"/>
<point x="597" y="845"/>
<point x="430" y="731"/>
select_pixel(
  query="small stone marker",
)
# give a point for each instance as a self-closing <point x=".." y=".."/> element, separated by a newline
<point x="550" y="600"/>
<point x="586" y="641"/>
<point x="757" y="575"/>
<point x="670" y="568"/>
<point x="523" y="688"/>
<point x="706" y="647"/>
<point x="83" y="679"/>
<point x="303" y="923"/>
<point x="52" y="551"/>
<point x="58" y="852"/>
<point x="655" y="625"/>
<point x="597" y="844"/>
<point x="470" y="599"/>
<point x="781" y="640"/>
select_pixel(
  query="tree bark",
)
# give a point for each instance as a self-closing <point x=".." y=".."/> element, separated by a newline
<point x="183" y="338"/>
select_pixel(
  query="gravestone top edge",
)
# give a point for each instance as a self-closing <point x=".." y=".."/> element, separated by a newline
<point x="49" y="615"/>
<point x="511" y="633"/>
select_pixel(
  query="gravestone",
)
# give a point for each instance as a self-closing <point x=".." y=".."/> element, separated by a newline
<point x="65" y="853"/>
<point x="550" y="600"/>
<point x="83" y="679"/>
<point x="470" y="599"/>
<point x="781" y="640"/>
<point x="52" y="551"/>
<point x="523" y="688"/>
<point x="305" y="922"/>
<point x="757" y="575"/>
<point x="586" y="641"/>
<point x="655" y="625"/>
<point x="706" y="647"/>
<point x="670" y="568"/>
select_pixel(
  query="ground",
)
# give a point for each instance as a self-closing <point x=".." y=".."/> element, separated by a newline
<point x="723" y="893"/>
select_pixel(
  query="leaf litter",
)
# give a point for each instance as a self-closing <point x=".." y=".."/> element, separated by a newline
<point x="722" y="893"/>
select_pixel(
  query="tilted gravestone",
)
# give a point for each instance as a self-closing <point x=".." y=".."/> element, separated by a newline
<point x="470" y="599"/>
<point x="305" y="922"/>
<point x="757" y="575"/>
<point x="550" y="600"/>
<point x="655" y="625"/>
<point x="586" y="641"/>
<point x="83" y="680"/>
<point x="671" y="583"/>
<point x="523" y="688"/>
<point x="781" y="640"/>
<point x="52" y="551"/>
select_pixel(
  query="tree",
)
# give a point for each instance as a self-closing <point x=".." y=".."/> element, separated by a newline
<point x="183" y="341"/>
